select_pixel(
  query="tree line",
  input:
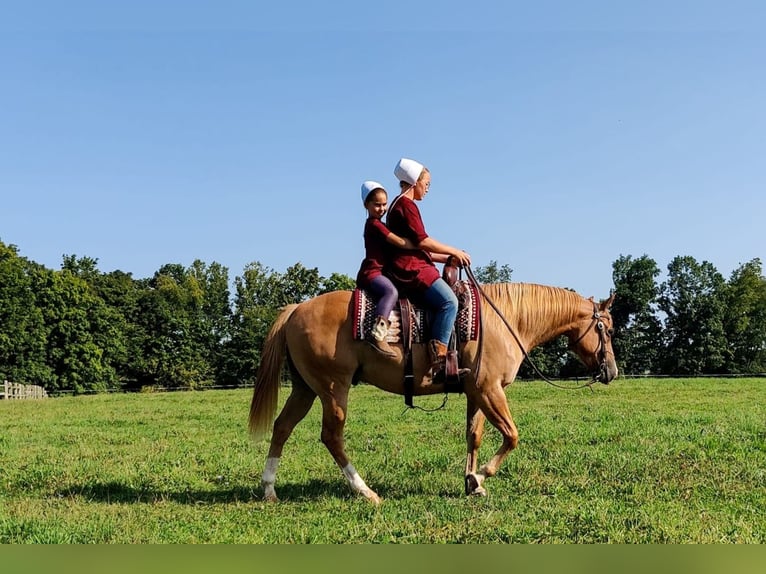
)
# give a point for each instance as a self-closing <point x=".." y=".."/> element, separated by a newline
<point x="82" y="330"/>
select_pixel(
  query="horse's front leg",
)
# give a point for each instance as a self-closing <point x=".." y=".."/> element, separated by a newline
<point x="333" y="422"/>
<point x="494" y="405"/>
<point x="474" y="432"/>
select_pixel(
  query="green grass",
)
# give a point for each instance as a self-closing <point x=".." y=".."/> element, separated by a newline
<point x="671" y="461"/>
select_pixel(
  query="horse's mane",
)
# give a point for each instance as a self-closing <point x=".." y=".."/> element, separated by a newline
<point x="534" y="308"/>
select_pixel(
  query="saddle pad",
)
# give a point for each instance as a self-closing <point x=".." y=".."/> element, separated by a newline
<point x="364" y="318"/>
<point x="467" y="323"/>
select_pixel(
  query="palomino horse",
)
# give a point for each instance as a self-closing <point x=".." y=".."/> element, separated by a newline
<point x="325" y="360"/>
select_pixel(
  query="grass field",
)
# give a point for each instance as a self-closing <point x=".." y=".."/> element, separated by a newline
<point x="666" y="461"/>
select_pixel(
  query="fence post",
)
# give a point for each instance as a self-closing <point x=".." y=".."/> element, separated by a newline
<point x="20" y="391"/>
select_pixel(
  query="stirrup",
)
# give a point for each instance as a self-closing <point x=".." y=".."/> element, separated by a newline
<point x="431" y="378"/>
<point x="441" y="376"/>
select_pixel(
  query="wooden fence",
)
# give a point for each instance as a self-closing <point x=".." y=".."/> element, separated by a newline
<point x="19" y="391"/>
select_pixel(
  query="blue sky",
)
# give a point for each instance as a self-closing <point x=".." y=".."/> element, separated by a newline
<point x="560" y="135"/>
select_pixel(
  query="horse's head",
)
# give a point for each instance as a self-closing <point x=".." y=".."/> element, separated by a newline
<point x="591" y="340"/>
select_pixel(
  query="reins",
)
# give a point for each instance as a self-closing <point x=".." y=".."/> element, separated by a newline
<point x="475" y="282"/>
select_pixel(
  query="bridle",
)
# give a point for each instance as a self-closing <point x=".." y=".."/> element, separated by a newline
<point x="596" y="320"/>
<point x="601" y="352"/>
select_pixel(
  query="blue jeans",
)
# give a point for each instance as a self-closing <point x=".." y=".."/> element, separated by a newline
<point x="386" y="293"/>
<point x="443" y="303"/>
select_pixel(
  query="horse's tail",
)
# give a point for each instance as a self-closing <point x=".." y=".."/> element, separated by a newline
<point x="264" y="404"/>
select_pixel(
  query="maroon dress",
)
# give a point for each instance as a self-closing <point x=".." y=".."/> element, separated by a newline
<point x="376" y="251"/>
<point x="412" y="271"/>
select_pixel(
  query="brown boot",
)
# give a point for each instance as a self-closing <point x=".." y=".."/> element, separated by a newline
<point x="377" y="337"/>
<point x="437" y="352"/>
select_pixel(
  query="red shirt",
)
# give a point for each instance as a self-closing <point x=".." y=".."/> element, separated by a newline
<point x="376" y="251"/>
<point x="412" y="271"/>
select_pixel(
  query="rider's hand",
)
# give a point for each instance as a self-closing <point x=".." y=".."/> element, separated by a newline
<point x="461" y="258"/>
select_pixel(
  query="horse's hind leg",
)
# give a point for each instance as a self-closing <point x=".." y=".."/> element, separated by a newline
<point x="296" y="408"/>
<point x="334" y="408"/>
<point x="494" y="405"/>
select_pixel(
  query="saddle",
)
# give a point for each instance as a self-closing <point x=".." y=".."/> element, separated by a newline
<point x="409" y="325"/>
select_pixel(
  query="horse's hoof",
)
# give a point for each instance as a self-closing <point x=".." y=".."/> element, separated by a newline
<point x="479" y="491"/>
<point x="270" y="497"/>
<point x="473" y="486"/>
<point x="471" y="483"/>
<point x="372" y="497"/>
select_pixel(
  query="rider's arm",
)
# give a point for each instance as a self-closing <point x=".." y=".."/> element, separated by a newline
<point x="442" y="249"/>
<point x="400" y="242"/>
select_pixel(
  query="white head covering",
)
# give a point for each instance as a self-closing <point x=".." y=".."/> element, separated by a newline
<point x="408" y="170"/>
<point x="368" y="187"/>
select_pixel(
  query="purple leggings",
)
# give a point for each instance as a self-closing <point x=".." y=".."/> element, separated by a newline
<point x="386" y="294"/>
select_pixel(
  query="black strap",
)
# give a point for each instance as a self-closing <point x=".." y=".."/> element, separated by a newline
<point x="405" y="317"/>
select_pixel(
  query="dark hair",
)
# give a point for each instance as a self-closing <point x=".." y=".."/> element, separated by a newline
<point x="373" y="193"/>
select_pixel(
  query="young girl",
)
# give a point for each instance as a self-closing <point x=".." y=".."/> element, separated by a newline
<point x="377" y="238"/>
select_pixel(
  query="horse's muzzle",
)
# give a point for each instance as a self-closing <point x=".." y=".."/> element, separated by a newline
<point x="607" y="372"/>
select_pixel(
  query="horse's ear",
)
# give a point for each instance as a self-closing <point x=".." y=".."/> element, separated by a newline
<point x="605" y="305"/>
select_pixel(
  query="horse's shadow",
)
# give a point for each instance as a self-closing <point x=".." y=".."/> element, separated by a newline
<point x="314" y="489"/>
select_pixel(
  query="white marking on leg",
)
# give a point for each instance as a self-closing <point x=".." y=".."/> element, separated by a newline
<point x="356" y="482"/>
<point x="269" y="477"/>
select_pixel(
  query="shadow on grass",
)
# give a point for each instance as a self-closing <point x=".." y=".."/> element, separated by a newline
<point x="314" y="489"/>
<point x="119" y="493"/>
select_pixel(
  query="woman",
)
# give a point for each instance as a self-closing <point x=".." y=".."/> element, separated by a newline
<point x="414" y="272"/>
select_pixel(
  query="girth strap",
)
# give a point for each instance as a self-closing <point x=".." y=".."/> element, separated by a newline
<point x="405" y="313"/>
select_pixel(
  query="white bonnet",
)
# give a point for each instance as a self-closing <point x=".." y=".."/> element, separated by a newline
<point x="368" y="187"/>
<point x="408" y="170"/>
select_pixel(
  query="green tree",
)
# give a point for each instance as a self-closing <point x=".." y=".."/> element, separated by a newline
<point x="120" y="292"/>
<point x="80" y="336"/>
<point x="213" y="280"/>
<point x="692" y="299"/>
<point x="493" y="274"/>
<point x="22" y="328"/>
<point x="255" y="308"/>
<point x="83" y="267"/>
<point x="336" y="282"/>
<point x="259" y="294"/>
<point x="176" y="329"/>
<point x="745" y="319"/>
<point x="110" y="328"/>
<point x="178" y="323"/>
<point x="638" y="332"/>
<point x="298" y="284"/>
<point x="213" y="319"/>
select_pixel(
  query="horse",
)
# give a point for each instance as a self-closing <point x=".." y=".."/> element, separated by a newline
<point x="324" y="360"/>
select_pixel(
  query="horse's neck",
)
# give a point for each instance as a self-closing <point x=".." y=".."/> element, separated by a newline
<point x="538" y="313"/>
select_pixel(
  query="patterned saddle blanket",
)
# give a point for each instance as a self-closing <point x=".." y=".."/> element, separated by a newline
<point x="467" y="324"/>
